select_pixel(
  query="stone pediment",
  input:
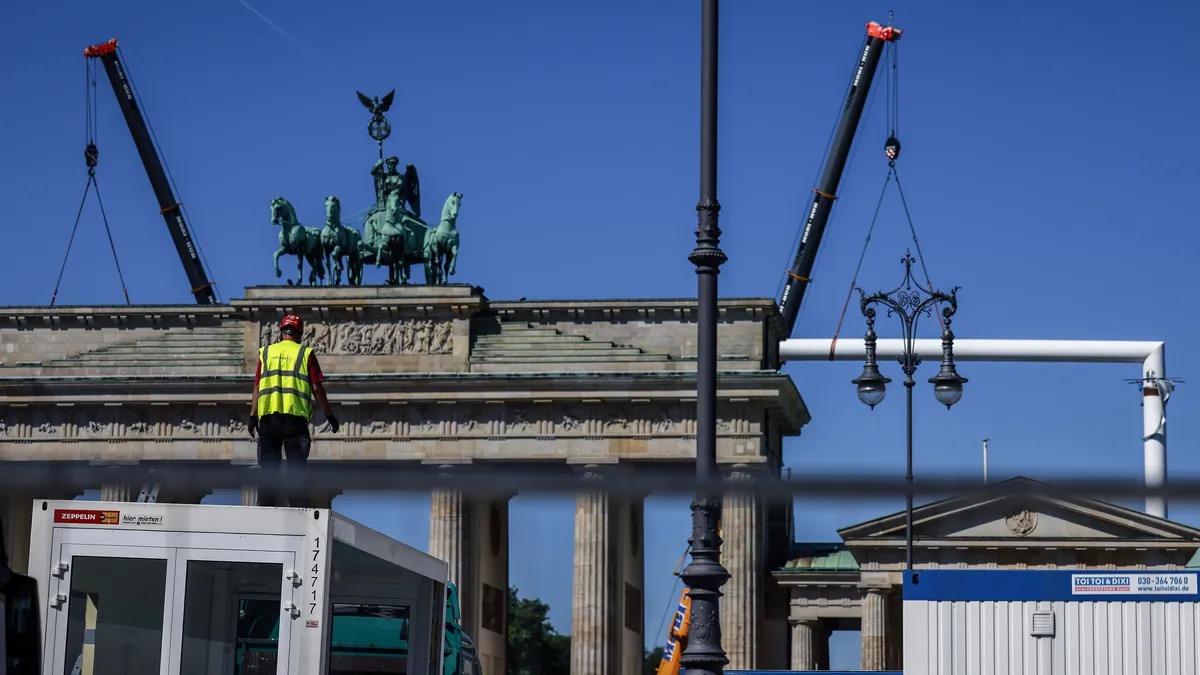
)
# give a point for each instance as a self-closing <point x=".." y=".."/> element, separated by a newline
<point x="1011" y="519"/>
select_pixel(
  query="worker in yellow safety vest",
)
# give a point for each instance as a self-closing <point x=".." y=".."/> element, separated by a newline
<point x="288" y="379"/>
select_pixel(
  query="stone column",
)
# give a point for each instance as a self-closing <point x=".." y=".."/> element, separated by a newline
<point x="742" y="555"/>
<point x="805" y="634"/>
<point x="117" y="492"/>
<point x="450" y="533"/>
<point x="471" y="535"/>
<point x="874" y="629"/>
<point x="450" y="540"/>
<point x="593" y="610"/>
<point x="607" y="611"/>
<point x="250" y="492"/>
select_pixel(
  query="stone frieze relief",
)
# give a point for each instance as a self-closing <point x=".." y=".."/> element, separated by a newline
<point x="219" y="422"/>
<point x="371" y="338"/>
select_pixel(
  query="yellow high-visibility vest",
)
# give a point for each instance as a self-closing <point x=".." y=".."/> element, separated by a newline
<point x="283" y="386"/>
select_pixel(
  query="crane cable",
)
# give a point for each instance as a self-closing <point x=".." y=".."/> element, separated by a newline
<point x="662" y="623"/>
<point x="892" y="150"/>
<point x="91" y="156"/>
<point x="894" y="100"/>
<point x="893" y="93"/>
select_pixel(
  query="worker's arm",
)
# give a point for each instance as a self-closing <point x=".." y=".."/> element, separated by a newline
<point x="253" y="423"/>
<point x="316" y="378"/>
<point x="254" y="394"/>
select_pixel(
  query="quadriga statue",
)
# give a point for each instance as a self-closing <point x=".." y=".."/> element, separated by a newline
<point x="393" y="235"/>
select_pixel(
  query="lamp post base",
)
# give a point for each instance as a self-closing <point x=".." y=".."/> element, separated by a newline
<point x="704" y="576"/>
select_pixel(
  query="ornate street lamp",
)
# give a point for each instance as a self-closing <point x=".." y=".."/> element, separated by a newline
<point x="705" y="575"/>
<point x="909" y="302"/>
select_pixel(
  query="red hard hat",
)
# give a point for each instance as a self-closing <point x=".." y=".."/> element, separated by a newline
<point x="292" y="321"/>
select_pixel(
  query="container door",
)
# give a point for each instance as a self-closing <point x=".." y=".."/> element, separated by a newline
<point x="109" y="607"/>
<point x="234" y="611"/>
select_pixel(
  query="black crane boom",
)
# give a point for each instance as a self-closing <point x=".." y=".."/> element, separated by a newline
<point x="798" y="276"/>
<point x="202" y="288"/>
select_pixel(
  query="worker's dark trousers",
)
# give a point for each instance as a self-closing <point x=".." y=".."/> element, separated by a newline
<point x="277" y="433"/>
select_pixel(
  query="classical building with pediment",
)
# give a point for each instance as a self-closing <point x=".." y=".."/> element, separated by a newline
<point x="855" y="584"/>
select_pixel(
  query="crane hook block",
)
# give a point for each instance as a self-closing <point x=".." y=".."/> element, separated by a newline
<point x="892" y="148"/>
<point x="91" y="155"/>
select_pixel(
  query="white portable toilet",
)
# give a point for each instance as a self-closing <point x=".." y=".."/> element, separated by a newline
<point x="1065" y="622"/>
<point x="181" y="589"/>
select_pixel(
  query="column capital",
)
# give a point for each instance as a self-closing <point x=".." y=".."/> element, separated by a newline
<point x="597" y="469"/>
<point x="741" y="472"/>
<point x="876" y="591"/>
<point x="881" y="581"/>
<point x="603" y="473"/>
<point x="447" y="469"/>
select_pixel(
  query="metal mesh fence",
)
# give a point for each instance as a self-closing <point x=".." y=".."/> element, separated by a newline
<point x="348" y="476"/>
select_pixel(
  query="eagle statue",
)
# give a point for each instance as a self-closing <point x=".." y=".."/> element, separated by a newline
<point x="378" y="106"/>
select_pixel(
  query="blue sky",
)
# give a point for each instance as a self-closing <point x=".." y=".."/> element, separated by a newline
<point x="1047" y="162"/>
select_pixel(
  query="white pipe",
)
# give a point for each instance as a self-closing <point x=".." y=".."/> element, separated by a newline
<point x="1152" y="356"/>
<point x="985" y="461"/>
<point x="1154" y="428"/>
<point x="1056" y="351"/>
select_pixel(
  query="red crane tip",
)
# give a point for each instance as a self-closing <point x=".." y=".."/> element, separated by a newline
<point x="101" y="49"/>
<point x="885" y="33"/>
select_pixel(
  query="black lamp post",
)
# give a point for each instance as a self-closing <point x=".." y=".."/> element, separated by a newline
<point x="909" y="302"/>
<point x="704" y="575"/>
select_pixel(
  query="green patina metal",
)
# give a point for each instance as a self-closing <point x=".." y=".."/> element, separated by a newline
<point x="338" y="242"/>
<point x="821" y="559"/>
<point x="393" y="235"/>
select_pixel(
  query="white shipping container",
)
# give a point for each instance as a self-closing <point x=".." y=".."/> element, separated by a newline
<point x="1051" y="622"/>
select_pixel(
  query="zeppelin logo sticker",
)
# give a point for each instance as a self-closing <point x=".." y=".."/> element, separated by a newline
<point x="87" y="517"/>
<point x="1133" y="584"/>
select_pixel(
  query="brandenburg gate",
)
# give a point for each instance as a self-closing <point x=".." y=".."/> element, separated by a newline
<point x="435" y="378"/>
